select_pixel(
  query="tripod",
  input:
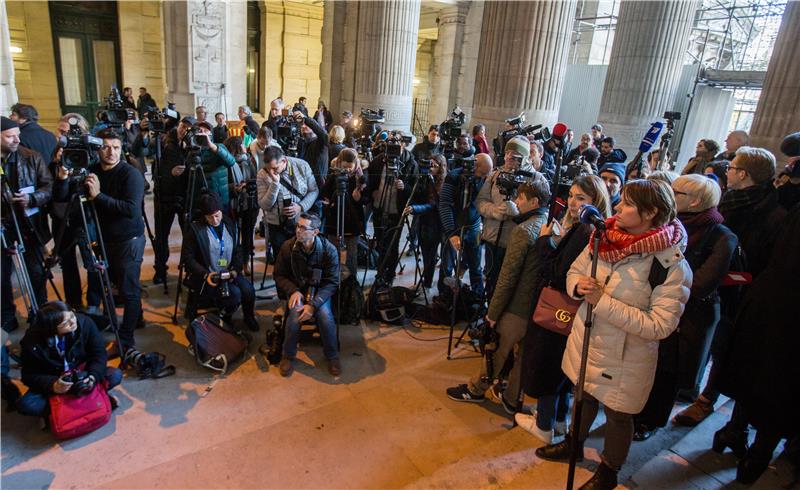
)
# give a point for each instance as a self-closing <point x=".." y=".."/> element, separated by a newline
<point x="418" y="273"/>
<point x="156" y="169"/>
<point x="341" y="198"/>
<point x="196" y="167"/>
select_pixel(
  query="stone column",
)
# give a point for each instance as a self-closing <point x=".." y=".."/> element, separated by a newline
<point x="645" y="66"/>
<point x="8" y="90"/>
<point x="333" y="42"/>
<point x="447" y="62"/>
<point x="778" y="110"/>
<point x="206" y="50"/>
<point x="522" y="61"/>
<point x="381" y="54"/>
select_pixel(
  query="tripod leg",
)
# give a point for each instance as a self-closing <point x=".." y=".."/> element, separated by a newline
<point x="177" y="295"/>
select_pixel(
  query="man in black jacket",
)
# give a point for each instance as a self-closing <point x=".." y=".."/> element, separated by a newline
<point x="307" y="273"/>
<point x="30" y="187"/>
<point x="609" y="154"/>
<point x="117" y="191"/>
<point x="213" y="256"/>
<point x="31" y="135"/>
<point x="314" y="147"/>
<point x="429" y="146"/>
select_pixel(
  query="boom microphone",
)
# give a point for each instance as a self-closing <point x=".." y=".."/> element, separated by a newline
<point x="592" y="216"/>
<point x="651" y="137"/>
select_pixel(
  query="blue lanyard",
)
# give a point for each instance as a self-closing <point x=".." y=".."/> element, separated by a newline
<point x="61" y="345"/>
<point x="221" y="238"/>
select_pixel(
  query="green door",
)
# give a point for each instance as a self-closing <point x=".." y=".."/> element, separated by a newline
<point x="85" y="38"/>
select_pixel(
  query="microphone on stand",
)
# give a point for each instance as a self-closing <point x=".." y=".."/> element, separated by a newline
<point x="592" y="216"/>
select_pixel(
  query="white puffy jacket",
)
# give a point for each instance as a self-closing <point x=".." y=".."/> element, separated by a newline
<point x="629" y="321"/>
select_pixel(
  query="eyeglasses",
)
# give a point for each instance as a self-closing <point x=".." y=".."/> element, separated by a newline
<point x="305" y="228"/>
<point x="679" y="193"/>
<point x="731" y="167"/>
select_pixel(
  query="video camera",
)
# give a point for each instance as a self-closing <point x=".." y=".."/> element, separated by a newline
<point x="79" y="149"/>
<point x="157" y="120"/>
<point x="509" y="182"/>
<point x="194" y="140"/>
<point x="116" y="115"/>
<point x="450" y="129"/>
<point x="367" y="126"/>
<point x="287" y="133"/>
<point x="516" y="128"/>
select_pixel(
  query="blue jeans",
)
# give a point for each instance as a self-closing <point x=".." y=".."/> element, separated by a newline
<point x="471" y="256"/>
<point x="37" y="404"/>
<point x="552" y="408"/>
<point x="327" y="330"/>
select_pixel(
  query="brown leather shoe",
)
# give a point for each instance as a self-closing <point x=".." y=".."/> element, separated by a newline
<point x="694" y="413"/>
<point x="335" y="367"/>
<point x="286" y="367"/>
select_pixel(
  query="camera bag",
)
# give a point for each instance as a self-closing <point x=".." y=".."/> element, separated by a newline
<point x="75" y="415"/>
<point x="214" y="343"/>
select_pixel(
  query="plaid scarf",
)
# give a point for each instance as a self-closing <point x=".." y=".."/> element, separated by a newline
<point x="616" y="244"/>
<point x="740" y="198"/>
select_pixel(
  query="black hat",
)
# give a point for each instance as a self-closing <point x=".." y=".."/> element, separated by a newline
<point x="190" y="120"/>
<point x="204" y="124"/>
<point x="790" y="145"/>
<point x="208" y="203"/>
<point x="6" y="123"/>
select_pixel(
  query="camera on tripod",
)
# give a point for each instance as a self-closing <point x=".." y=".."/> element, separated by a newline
<point x="195" y="140"/>
<point x="157" y="119"/>
<point x="367" y="126"/>
<point x="116" y="115"/>
<point x="79" y="150"/>
<point x="450" y="129"/>
<point x="287" y="133"/>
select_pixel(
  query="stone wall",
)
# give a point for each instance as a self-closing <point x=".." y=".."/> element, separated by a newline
<point x="34" y="67"/>
<point x="141" y="38"/>
<point x="292" y="51"/>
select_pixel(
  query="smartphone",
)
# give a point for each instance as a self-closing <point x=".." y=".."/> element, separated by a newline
<point x="287" y="202"/>
<point x="557" y="210"/>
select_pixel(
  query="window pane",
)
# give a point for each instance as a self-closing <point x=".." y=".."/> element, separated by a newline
<point x="105" y="67"/>
<point x="72" y="70"/>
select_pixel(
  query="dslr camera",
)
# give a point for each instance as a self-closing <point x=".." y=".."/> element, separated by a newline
<point x="81" y="382"/>
<point x="79" y="149"/>
<point x="221" y="279"/>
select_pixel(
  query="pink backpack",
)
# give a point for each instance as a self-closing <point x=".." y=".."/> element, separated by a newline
<point x="76" y="415"/>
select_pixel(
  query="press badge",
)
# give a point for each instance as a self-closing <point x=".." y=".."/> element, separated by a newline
<point x="222" y="262"/>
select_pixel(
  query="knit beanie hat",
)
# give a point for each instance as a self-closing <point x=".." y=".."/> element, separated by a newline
<point x="208" y="203"/>
<point x="519" y="144"/>
<point x="6" y="123"/>
<point x="615" y="168"/>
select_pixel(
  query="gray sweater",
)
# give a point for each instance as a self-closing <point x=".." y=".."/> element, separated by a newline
<point x="271" y="195"/>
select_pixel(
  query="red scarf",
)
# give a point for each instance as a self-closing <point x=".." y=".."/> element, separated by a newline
<point x="616" y="244"/>
<point x="483" y="144"/>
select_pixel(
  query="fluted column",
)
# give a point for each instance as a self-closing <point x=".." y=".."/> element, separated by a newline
<point x="333" y="44"/>
<point x="522" y="61"/>
<point x="778" y="110"/>
<point x="645" y="66"/>
<point x="8" y="89"/>
<point x="447" y="61"/>
<point x="386" y="52"/>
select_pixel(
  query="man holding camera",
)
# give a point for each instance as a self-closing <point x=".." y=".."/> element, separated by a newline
<point x="496" y="205"/>
<point x="286" y="188"/>
<point x="28" y="191"/>
<point x="214" y="262"/>
<point x="307" y="273"/>
<point x="512" y="303"/>
<point x="314" y="146"/>
<point x="117" y="191"/>
<point x="391" y="176"/>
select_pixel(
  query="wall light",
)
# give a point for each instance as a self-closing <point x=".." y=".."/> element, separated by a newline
<point x="15" y="50"/>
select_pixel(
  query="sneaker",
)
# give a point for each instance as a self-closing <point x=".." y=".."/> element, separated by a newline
<point x="497" y="395"/>
<point x="694" y="413"/>
<point x="335" y="367"/>
<point x="528" y="422"/>
<point x="461" y="393"/>
<point x="286" y="367"/>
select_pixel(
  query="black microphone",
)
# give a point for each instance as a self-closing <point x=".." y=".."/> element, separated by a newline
<point x="592" y="216"/>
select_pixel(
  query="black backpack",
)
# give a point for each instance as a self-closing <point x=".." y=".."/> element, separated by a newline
<point x="214" y="343"/>
<point x="367" y="257"/>
<point x="352" y="301"/>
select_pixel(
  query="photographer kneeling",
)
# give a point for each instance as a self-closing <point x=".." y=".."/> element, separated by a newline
<point x="214" y="261"/>
<point x="62" y="352"/>
<point x="117" y="191"/>
<point x="512" y="303"/>
<point x="307" y="273"/>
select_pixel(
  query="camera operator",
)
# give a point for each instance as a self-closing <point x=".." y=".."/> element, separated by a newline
<point x="300" y="106"/>
<point x="431" y="145"/>
<point x="496" y="205"/>
<point x="286" y="188"/>
<point x="214" y="262"/>
<point x="512" y="303"/>
<point x="462" y="150"/>
<point x="346" y="166"/>
<point x="314" y="146"/>
<point x="117" y="192"/>
<point x="243" y="192"/>
<point x="215" y="159"/>
<point x="30" y="184"/>
<point x="250" y="124"/>
<point x="62" y="352"/>
<point x="220" y="132"/>
<point x="453" y="217"/>
<point x="171" y="191"/>
<point x="309" y="293"/>
<point x="430" y="229"/>
<point x="584" y="149"/>
<point x="31" y="135"/>
<point x="391" y="177"/>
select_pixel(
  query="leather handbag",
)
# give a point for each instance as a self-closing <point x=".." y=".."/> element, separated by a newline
<point x="555" y="310"/>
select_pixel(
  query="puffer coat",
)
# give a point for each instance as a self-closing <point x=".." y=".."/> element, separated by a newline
<point x="629" y="321"/>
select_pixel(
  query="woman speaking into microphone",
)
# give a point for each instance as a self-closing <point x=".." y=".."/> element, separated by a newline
<point x="638" y="295"/>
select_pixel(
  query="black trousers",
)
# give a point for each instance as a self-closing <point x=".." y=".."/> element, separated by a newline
<point x="385" y="226"/>
<point x="247" y="224"/>
<point x="659" y="404"/>
<point x="241" y="292"/>
<point x="165" y="215"/>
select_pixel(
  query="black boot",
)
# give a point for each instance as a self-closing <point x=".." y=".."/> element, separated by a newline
<point x="605" y="478"/>
<point x="559" y="451"/>
<point x="731" y="437"/>
<point x="10" y="393"/>
<point x="758" y="456"/>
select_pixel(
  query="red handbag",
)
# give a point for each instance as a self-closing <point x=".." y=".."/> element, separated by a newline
<point x="76" y="415"/>
<point x="555" y="310"/>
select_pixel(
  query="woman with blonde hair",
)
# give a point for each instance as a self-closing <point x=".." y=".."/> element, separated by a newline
<point x="631" y="314"/>
<point x="336" y="141"/>
<point x="558" y="245"/>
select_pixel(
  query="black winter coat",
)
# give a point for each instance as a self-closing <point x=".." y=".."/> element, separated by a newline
<point x="197" y="251"/>
<point x="542" y="349"/>
<point x="42" y="366"/>
<point x="761" y="370"/>
<point x="316" y="151"/>
<point x="293" y="269"/>
<point x="28" y="168"/>
<point x="35" y="137"/>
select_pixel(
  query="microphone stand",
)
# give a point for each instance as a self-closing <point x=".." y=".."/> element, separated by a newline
<point x="578" y="405"/>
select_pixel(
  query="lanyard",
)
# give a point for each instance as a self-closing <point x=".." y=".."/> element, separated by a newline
<point x="61" y="345"/>
<point x="221" y="237"/>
